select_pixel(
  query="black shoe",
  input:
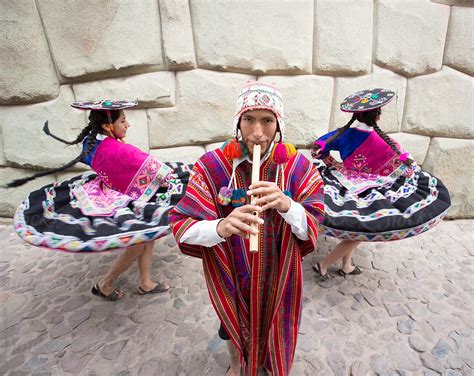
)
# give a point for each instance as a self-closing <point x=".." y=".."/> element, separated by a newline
<point x="317" y="269"/>
<point x="356" y="271"/>
<point x="112" y="297"/>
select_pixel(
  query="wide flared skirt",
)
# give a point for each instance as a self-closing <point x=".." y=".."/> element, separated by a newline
<point x="51" y="217"/>
<point x="406" y="207"/>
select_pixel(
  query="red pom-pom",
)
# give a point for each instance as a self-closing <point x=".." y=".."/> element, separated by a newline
<point x="232" y="149"/>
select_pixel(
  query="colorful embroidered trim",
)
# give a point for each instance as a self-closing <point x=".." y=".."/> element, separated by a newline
<point x="384" y="236"/>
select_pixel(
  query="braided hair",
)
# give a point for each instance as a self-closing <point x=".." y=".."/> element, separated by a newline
<point x="340" y="131"/>
<point x="369" y="118"/>
<point x="96" y="119"/>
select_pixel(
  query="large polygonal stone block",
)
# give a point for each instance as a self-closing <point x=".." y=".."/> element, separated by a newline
<point x="416" y="145"/>
<point x="410" y="35"/>
<point x="342" y="41"/>
<point x="137" y="134"/>
<point x="461" y="3"/>
<point x="27" y="71"/>
<point x="178" y="43"/>
<point x="185" y="154"/>
<point x="215" y="145"/>
<point x="451" y="161"/>
<point x="3" y="161"/>
<point x="258" y="37"/>
<point x="459" y="52"/>
<point x="11" y="198"/>
<point x="25" y="143"/>
<point x="103" y="36"/>
<point x="149" y="89"/>
<point x="392" y="113"/>
<point x="204" y="113"/>
<point x="307" y="101"/>
<point x="440" y="104"/>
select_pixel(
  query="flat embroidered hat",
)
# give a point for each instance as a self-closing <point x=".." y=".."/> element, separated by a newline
<point x="366" y="100"/>
<point x="105" y="105"/>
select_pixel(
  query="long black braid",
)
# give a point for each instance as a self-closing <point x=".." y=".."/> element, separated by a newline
<point x="340" y="131"/>
<point x="78" y="139"/>
<point x="96" y="119"/>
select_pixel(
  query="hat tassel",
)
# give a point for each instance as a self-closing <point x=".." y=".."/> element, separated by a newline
<point x="233" y="149"/>
<point x="282" y="152"/>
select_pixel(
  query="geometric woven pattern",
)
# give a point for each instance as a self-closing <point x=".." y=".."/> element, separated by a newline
<point x="383" y="236"/>
<point x="52" y="217"/>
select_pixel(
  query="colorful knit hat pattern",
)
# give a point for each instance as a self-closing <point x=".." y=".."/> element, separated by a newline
<point x="260" y="96"/>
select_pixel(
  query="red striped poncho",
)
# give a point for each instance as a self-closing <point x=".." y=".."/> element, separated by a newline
<point x="257" y="296"/>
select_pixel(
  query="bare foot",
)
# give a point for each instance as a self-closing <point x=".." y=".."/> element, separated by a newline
<point x="107" y="289"/>
<point x="348" y="268"/>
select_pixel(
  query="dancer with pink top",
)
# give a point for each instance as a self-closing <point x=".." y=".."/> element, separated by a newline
<point x="378" y="192"/>
<point x="122" y="204"/>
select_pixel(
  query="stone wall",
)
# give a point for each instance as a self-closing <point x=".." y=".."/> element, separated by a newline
<point x="186" y="61"/>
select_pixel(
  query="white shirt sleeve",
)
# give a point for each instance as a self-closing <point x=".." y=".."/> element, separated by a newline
<point x="296" y="218"/>
<point x="203" y="233"/>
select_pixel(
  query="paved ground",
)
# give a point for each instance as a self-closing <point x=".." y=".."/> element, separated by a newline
<point x="409" y="313"/>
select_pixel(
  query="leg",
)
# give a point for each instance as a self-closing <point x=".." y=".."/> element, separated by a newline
<point x="347" y="265"/>
<point x="120" y="264"/>
<point x="343" y="250"/>
<point x="145" y="261"/>
<point x="234" y="359"/>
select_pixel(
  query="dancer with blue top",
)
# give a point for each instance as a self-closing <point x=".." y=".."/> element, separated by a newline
<point x="378" y="192"/>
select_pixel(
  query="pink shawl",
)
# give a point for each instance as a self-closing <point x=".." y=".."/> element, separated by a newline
<point x="124" y="173"/>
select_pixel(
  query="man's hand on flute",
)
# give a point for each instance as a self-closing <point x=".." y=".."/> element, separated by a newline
<point x="269" y="196"/>
<point x="239" y="222"/>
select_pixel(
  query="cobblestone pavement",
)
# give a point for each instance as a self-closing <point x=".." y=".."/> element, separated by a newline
<point x="409" y="313"/>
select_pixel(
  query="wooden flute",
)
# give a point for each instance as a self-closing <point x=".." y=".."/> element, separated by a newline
<point x="255" y="239"/>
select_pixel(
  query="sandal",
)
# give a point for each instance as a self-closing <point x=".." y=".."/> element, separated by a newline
<point x="317" y="269"/>
<point x="228" y="369"/>
<point x="356" y="271"/>
<point x="159" y="288"/>
<point x="112" y="297"/>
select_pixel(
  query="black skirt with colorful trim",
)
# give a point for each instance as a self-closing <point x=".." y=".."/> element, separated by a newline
<point x="403" y="208"/>
<point x="51" y="217"/>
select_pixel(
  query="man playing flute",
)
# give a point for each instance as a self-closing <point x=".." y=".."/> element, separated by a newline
<point x="257" y="295"/>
